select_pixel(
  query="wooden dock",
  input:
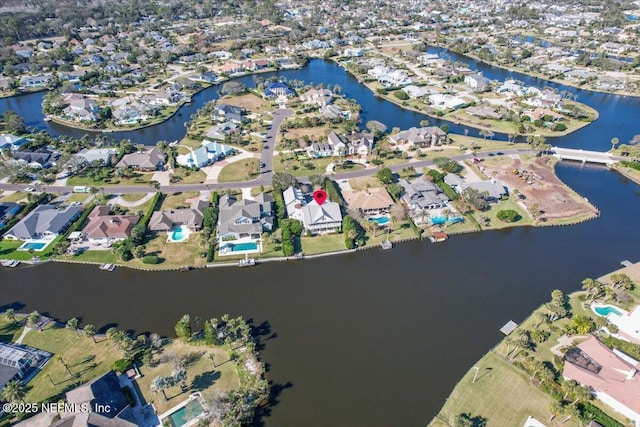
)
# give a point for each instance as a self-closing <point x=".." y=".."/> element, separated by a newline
<point x="509" y="327"/>
<point x="626" y="263"/>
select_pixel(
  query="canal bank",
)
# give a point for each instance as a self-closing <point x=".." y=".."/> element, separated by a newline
<point x="348" y="329"/>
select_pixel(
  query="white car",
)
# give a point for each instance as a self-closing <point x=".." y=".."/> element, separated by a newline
<point x="30" y="189"/>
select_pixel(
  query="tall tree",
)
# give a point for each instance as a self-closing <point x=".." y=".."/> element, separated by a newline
<point x="73" y="325"/>
<point x="90" y="331"/>
<point x="13" y="391"/>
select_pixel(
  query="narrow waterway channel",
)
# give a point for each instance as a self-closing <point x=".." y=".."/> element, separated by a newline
<point x="369" y="339"/>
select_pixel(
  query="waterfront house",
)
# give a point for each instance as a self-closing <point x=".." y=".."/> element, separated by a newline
<point x="167" y="220"/>
<point x="82" y="110"/>
<point x="416" y="92"/>
<point x="226" y="112"/>
<point x="244" y="220"/>
<point x="359" y="143"/>
<point x="420" y="137"/>
<point x="11" y="142"/>
<point x="294" y="200"/>
<point x="477" y="82"/>
<point x="371" y="202"/>
<point x="104" y="397"/>
<point x="149" y="160"/>
<point x="208" y="153"/>
<point x="39" y="159"/>
<point x="223" y="130"/>
<point x="17" y="361"/>
<point x="491" y="190"/>
<point x="103" y="227"/>
<point x="445" y="101"/>
<point x="319" y="97"/>
<point x="43" y="222"/>
<point x="421" y="196"/>
<point x="333" y="112"/>
<point x="611" y="376"/>
<point x="322" y="218"/>
<point x="275" y="89"/>
<point x="31" y="82"/>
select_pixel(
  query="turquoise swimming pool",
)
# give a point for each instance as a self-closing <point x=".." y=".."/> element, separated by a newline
<point x="179" y="234"/>
<point x="380" y="219"/>
<point x="244" y="247"/>
<point x="185" y="414"/>
<point x="36" y="246"/>
<point x="439" y="220"/>
<point x="606" y="310"/>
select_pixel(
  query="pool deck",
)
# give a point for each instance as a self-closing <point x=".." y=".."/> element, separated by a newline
<point x="181" y="405"/>
<point x="628" y="322"/>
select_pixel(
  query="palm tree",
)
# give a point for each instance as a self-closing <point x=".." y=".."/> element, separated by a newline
<point x="33" y="320"/>
<point x="508" y="341"/>
<point x="556" y="408"/>
<point x="569" y="388"/>
<point x="13" y="391"/>
<point x="90" y="331"/>
<point x="10" y="315"/>
<point x="582" y="394"/>
<point x="73" y="325"/>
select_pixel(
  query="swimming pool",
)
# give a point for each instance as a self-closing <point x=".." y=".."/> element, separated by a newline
<point x="186" y="414"/>
<point x="244" y="247"/>
<point x="36" y="246"/>
<point x="439" y="220"/>
<point x="606" y="310"/>
<point x="381" y="220"/>
<point x="179" y="234"/>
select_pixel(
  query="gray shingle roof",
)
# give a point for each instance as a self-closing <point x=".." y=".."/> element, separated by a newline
<point x="44" y="219"/>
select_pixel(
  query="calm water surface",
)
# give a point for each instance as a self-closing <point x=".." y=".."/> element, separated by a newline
<point x="370" y="339"/>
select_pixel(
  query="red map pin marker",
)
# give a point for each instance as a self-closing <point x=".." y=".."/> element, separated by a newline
<point x="319" y="196"/>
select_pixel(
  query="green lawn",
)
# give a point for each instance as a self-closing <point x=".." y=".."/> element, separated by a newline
<point x="399" y="231"/>
<point x="77" y="197"/>
<point x="201" y="375"/>
<point x="189" y="176"/>
<point x="85" y="360"/>
<point x="140" y="178"/>
<point x="8" y="250"/>
<point x="502" y="394"/>
<point x="103" y="257"/>
<point x="133" y="197"/>
<point x="178" y="200"/>
<point x="242" y="170"/>
<point x="296" y="167"/>
<point x="9" y="331"/>
<point x="495" y="223"/>
<point x="324" y="243"/>
<point x="18" y="196"/>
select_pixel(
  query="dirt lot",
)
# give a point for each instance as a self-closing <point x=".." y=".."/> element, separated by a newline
<point x="536" y="181"/>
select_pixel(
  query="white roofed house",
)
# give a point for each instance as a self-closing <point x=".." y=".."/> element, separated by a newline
<point x="491" y="190"/>
<point x="325" y="218"/>
<point x="477" y="82"/>
<point x="420" y="196"/>
<point x="294" y="200"/>
<point x="339" y="147"/>
<point x="320" y="97"/>
<point x="106" y="155"/>
<point x="420" y="137"/>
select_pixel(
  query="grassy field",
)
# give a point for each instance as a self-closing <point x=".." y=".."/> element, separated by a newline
<point x="17" y="196"/>
<point x="495" y="223"/>
<point x="360" y="184"/>
<point x="105" y="256"/>
<point x="295" y="167"/>
<point x="140" y="178"/>
<point x="178" y="200"/>
<point x="189" y="176"/>
<point x="249" y="101"/>
<point x="399" y="231"/>
<point x="324" y="243"/>
<point x="201" y="375"/>
<point x="133" y="197"/>
<point x="85" y="360"/>
<point x="77" y="197"/>
<point x="502" y="394"/>
<point x="242" y="170"/>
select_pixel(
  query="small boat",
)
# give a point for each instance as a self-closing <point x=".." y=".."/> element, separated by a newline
<point x="47" y="119"/>
<point x="108" y="267"/>
<point x="10" y="263"/>
<point x="248" y="262"/>
<point x="386" y="245"/>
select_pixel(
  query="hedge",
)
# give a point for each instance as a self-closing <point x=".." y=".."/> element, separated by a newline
<point x="150" y="259"/>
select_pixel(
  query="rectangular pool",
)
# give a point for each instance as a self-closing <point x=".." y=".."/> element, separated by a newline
<point x="36" y="246"/>
<point x="244" y="247"/>
<point x="185" y="414"/>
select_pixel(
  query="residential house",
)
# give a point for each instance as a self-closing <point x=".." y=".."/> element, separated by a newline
<point x="43" y="222"/>
<point x="106" y="401"/>
<point x="321" y="149"/>
<point x="420" y="137"/>
<point x="30" y="82"/>
<point x="339" y="147"/>
<point x="320" y="97"/>
<point x="11" y="142"/>
<point x="17" y="361"/>
<point x="416" y="92"/>
<point x="223" y="130"/>
<point x="226" y="112"/>
<point x="322" y="218"/>
<point x="104" y="155"/>
<point x="83" y="110"/>
<point x="149" y="160"/>
<point x="395" y="78"/>
<point x="445" y="101"/>
<point x="278" y="89"/>
<point x="294" y="200"/>
<point x="359" y="143"/>
<point x="231" y="68"/>
<point x="421" y="196"/>
<point x="7" y="211"/>
<point x="333" y="112"/>
<point x="103" y="227"/>
<point x="492" y="190"/>
<point x="169" y="219"/>
<point x="611" y="376"/>
<point x="244" y="220"/>
<point x="207" y="77"/>
<point x="477" y="82"/>
<point x="208" y="153"/>
<point x="371" y="202"/>
<point x="41" y="158"/>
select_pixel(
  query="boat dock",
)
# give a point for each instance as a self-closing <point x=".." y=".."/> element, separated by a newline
<point x="108" y="267"/>
<point x="438" y="236"/>
<point x="386" y="245"/>
<point x="626" y="263"/>
<point x="10" y="263"/>
<point x="249" y="262"/>
<point x="509" y="327"/>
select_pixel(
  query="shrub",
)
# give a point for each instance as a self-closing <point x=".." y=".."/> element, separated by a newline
<point x="150" y="259"/>
<point x="509" y="216"/>
<point x="400" y="94"/>
<point x="122" y="365"/>
<point x="560" y="127"/>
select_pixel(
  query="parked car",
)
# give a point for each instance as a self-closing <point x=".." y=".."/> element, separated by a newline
<point x="30" y="189"/>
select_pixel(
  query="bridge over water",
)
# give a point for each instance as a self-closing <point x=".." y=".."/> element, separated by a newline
<point x="584" y="155"/>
